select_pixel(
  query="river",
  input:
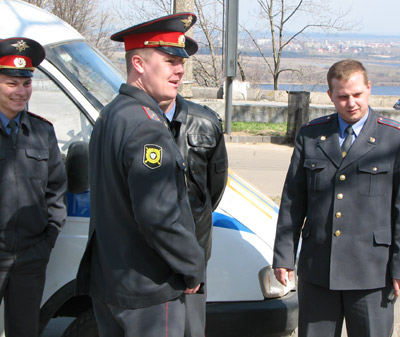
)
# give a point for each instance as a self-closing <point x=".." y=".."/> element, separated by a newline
<point x="376" y="90"/>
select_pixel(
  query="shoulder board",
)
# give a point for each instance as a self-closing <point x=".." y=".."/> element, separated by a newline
<point x="389" y="122"/>
<point x="151" y="114"/>
<point x="320" y="120"/>
<point x="39" y="117"/>
<point x="216" y="114"/>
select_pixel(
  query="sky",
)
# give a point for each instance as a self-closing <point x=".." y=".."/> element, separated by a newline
<point x="378" y="17"/>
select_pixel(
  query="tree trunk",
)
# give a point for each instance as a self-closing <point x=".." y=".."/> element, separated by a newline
<point x="276" y="81"/>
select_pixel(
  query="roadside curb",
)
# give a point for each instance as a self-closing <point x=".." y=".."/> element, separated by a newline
<point x="256" y="139"/>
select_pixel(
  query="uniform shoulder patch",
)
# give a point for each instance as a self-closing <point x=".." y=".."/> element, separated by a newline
<point x="152" y="156"/>
<point x="151" y="114"/>
<point x="319" y="120"/>
<point x="39" y="117"/>
<point x="389" y="122"/>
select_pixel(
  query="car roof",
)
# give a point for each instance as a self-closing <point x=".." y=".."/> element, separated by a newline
<point x="21" y="19"/>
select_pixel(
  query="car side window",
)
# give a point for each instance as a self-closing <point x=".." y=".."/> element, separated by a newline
<point x="52" y="103"/>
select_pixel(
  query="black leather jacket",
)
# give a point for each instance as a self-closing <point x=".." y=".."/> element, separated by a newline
<point x="198" y="133"/>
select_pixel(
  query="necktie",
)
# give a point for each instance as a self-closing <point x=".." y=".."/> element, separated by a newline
<point x="347" y="142"/>
<point x="13" y="127"/>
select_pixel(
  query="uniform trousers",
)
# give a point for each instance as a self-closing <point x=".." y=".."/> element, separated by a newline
<point x="22" y="278"/>
<point x="367" y="313"/>
<point x="162" y="320"/>
<point x="195" y="315"/>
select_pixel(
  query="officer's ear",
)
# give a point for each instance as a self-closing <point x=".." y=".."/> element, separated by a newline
<point x="137" y="62"/>
<point x="140" y="57"/>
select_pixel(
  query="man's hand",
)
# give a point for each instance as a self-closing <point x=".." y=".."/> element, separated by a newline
<point x="280" y="274"/>
<point x="396" y="287"/>
<point x="193" y="290"/>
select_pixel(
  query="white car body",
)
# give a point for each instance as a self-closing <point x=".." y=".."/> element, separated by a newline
<point x="244" y="223"/>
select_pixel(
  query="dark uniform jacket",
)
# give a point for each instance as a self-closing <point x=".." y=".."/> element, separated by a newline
<point x="350" y="207"/>
<point x="33" y="184"/>
<point x="198" y="133"/>
<point x="142" y="249"/>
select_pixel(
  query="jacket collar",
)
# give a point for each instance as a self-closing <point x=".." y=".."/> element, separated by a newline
<point x="365" y="142"/>
<point x="25" y="121"/>
<point x="181" y="111"/>
<point x="143" y="97"/>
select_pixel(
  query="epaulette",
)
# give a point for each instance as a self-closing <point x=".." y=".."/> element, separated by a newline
<point x="389" y="122"/>
<point x="151" y="114"/>
<point x="216" y="114"/>
<point x="320" y="120"/>
<point x="39" y="117"/>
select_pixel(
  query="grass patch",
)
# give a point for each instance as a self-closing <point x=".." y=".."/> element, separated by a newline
<point x="259" y="129"/>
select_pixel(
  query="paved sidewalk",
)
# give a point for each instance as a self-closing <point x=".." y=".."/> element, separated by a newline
<point x="264" y="165"/>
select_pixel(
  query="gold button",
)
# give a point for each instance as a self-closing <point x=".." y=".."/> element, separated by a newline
<point x="337" y="233"/>
<point x="323" y="138"/>
<point x="372" y="139"/>
<point x="340" y="196"/>
<point x="375" y="169"/>
<point x="342" y="177"/>
<point x="312" y="165"/>
<point x="338" y="215"/>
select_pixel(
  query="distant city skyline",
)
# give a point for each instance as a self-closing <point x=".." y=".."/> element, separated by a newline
<point x="375" y="17"/>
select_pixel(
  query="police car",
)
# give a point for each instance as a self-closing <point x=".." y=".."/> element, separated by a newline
<point x="71" y="86"/>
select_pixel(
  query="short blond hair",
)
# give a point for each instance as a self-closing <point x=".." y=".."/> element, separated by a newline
<point x="142" y="52"/>
<point x="343" y="70"/>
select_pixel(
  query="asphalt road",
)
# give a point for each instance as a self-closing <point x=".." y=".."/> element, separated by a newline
<point x="264" y="165"/>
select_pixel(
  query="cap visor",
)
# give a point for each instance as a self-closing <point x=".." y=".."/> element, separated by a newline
<point x="16" y="72"/>
<point x="174" y="51"/>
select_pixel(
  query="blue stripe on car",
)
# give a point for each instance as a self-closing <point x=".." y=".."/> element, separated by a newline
<point x="225" y="221"/>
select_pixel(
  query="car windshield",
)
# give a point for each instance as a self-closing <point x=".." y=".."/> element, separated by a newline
<point x="94" y="75"/>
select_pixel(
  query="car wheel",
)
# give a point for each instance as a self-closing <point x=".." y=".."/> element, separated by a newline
<point x="83" y="326"/>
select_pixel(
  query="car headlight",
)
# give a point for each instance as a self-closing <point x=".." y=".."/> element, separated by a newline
<point x="270" y="286"/>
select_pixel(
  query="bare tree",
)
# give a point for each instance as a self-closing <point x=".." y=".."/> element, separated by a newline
<point x="39" y="3"/>
<point x="279" y="15"/>
<point x="86" y="16"/>
<point x="207" y="70"/>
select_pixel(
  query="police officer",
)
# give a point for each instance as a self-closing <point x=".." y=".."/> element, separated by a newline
<point x="342" y="196"/>
<point x="33" y="183"/>
<point x="142" y="255"/>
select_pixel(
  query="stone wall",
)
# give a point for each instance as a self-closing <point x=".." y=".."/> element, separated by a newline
<point x="272" y="106"/>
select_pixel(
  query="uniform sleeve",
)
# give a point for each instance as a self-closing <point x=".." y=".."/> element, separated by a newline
<point x="217" y="172"/>
<point x="55" y="191"/>
<point x="292" y="211"/>
<point x="159" y="200"/>
<point x="395" y="261"/>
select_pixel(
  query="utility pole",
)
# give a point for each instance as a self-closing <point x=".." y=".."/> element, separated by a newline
<point x="231" y="33"/>
<point x="178" y="6"/>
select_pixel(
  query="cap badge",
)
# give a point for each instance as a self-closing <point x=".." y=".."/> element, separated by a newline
<point x="20" y="45"/>
<point x="181" y="40"/>
<point x="19" y="62"/>
<point x="187" y="22"/>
